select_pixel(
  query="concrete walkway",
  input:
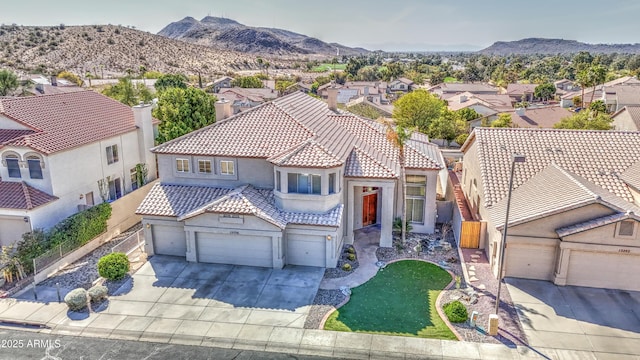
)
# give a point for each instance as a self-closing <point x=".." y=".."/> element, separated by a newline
<point x="366" y="242"/>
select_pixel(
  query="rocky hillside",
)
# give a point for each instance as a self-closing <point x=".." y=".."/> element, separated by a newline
<point x="110" y="49"/>
<point x="229" y="34"/>
<point x="556" y="46"/>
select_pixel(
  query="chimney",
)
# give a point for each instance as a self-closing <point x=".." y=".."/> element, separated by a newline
<point x="54" y="80"/>
<point x="223" y="109"/>
<point x="332" y="99"/>
<point x="463" y="98"/>
<point x="146" y="137"/>
<point x="521" y="111"/>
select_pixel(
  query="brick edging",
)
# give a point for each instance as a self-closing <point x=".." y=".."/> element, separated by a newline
<point x="335" y="308"/>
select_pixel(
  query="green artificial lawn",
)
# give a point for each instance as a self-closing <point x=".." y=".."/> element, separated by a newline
<point x="450" y="79"/>
<point x="329" y="67"/>
<point x="399" y="300"/>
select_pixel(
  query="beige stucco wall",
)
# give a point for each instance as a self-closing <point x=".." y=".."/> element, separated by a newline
<point x="605" y="235"/>
<point x="546" y="227"/>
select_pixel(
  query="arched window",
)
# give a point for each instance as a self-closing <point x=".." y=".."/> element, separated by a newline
<point x="35" y="166"/>
<point x="12" y="161"/>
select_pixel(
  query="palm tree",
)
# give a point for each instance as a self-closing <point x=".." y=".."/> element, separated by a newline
<point x="8" y="82"/>
<point x="597" y="75"/>
<point x="398" y="136"/>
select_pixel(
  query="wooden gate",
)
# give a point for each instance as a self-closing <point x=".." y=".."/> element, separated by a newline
<point x="470" y="235"/>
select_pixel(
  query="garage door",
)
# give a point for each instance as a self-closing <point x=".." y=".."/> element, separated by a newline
<point x="234" y="249"/>
<point x="604" y="270"/>
<point x="169" y="240"/>
<point x="306" y="250"/>
<point x="11" y="230"/>
<point x="530" y="262"/>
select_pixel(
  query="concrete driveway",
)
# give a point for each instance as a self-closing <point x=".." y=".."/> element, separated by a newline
<point x="575" y="319"/>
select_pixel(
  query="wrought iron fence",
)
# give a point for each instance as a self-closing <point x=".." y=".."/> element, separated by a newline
<point x="130" y="244"/>
<point x="54" y="254"/>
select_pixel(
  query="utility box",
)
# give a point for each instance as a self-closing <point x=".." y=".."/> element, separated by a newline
<point x="493" y="324"/>
<point x="473" y="319"/>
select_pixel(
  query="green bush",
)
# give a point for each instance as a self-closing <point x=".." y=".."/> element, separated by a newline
<point x="397" y="225"/>
<point x="351" y="257"/>
<point x="98" y="293"/>
<point x="456" y="312"/>
<point x="346" y="267"/>
<point x="351" y="250"/>
<point x="76" y="299"/>
<point x="113" y="266"/>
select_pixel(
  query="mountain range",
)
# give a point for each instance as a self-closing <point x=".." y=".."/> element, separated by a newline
<point x="556" y="46"/>
<point x="228" y="34"/>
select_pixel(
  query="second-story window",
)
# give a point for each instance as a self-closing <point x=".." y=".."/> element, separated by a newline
<point x="35" y="169"/>
<point x="112" y="154"/>
<point x="332" y="183"/>
<point x="226" y="167"/>
<point x="416" y="191"/>
<point x="278" y="179"/>
<point x="304" y="183"/>
<point x="204" y="166"/>
<point x="182" y="165"/>
<point x="13" y="166"/>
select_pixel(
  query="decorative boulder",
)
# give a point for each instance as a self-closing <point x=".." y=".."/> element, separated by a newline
<point x="76" y="299"/>
<point x="98" y="293"/>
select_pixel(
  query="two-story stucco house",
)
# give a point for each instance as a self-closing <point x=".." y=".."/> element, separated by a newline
<point x="575" y="214"/>
<point x="286" y="182"/>
<point x="55" y="149"/>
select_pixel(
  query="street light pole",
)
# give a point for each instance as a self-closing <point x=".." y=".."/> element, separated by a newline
<point x="516" y="158"/>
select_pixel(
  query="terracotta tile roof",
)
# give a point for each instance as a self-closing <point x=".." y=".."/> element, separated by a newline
<point x="299" y="130"/>
<point x="19" y="195"/>
<point x="184" y="202"/>
<point x="600" y="157"/>
<point x="497" y="102"/>
<point x="462" y="87"/>
<point x="520" y="89"/>
<point x="307" y="154"/>
<point x="65" y="121"/>
<point x="7" y="135"/>
<point x="544" y="117"/>
<point x="552" y="191"/>
<point x="596" y="223"/>
<point x="360" y="164"/>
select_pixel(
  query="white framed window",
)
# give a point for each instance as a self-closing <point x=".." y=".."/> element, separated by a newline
<point x="182" y="165"/>
<point x="332" y="183"/>
<point x="227" y="167"/>
<point x="416" y="192"/>
<point x="304" y="183"/>
<point x="112" y="154"/>
<point x="35" y="167"/>
<point x="13" y="166"/>
<point x="278" y="180"/>
<point x="626" y="228"/>
<point x="133" y="174"/>
<point x="204" y="166"/>
<point x="115" y="189"/>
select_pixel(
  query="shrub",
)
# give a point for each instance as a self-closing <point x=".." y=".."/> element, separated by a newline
<point x="98" y="293"/>
<point x="346" y="267"/>
<point x="456" y="312"/>
<point x="76" y="299"/>
<point x="113" y="266"/>
<point x="351" y="257"/>
<point x="351" y="250"/>
<point x="397" y="225"/>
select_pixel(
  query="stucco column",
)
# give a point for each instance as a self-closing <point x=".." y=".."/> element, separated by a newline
<point x="560" y="277"/>
<point x="350" y="213"/>
<point x="386" y="236"/>
<point x="277" y="243"/>
<point x="191" y="246"/>
<point x="148" y="235"/>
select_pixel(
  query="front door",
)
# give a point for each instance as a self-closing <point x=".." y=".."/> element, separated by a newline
<point x="369" y="206"/>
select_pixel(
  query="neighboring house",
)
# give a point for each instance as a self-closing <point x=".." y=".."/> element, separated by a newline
<point x="447" y="90"/>
<point x="627" y="119"/>
<point x="245" y="98"/>
<point x="401" y="85"/>
<point x="373" y="91"/>
<point x="55" y="149"/>
<point x="564" y="86"/>
<point x="543" y="117"/>
<point x="608" y="92"/>
<point x="52" y="85"/>
<point x="521" y="92"/>
<point x="223" y="82"/>
<point x="488" y="106"/>
<point x="574" y="208"/>
<point x="286" y="182"/>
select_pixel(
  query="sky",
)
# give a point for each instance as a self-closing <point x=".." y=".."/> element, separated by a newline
<point x="413" y="25"/>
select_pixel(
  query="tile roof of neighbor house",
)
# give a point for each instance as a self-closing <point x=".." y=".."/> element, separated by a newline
<point x="185" y="202"/>
<point x="19" y="195"/>
<point x="65" y="121"/>
<point x="597" y="156"/>
<point x="596" y="223"/>
<point x="551" y="191"/>
<point x="632" y="176"/>
<point x="498" y="102"/>
<point x="462" y="87"/>
<point x="625" y="94"/>
<point x="625" y="80"/>
<point x="520" y="89"/>
<point x="633" y="111"/>
<point x="544" y="117"/>
<point x="255" y="94"/>
<point x="299" y="130"/>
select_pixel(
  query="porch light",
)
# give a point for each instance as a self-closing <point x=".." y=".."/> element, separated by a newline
<point x="516" y="158"/>
<point x="328" y="237"/>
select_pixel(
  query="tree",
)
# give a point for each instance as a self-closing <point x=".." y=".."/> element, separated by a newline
<point x="250" y="82"/>
<point x="436" y="77"/>
<point x="417" y="109"/>
<point x="398" y="137"/>
<point x="597" y="75"/>
<point x="170" y="81"/>
<point x="544" y="91"/>
<point x="503" y="121"/>
<point x="283" y="85"/>
<point x="586" y="120"/>
<point x="598" y="106"/>
<point x="182" y="111"/>
<point x="8" y="82"/>
<point x="128" y="93"/>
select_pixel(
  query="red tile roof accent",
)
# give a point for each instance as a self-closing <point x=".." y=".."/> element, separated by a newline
<point x="307" y="154"/>
<point x="6" y="135"/>
<point x="19" y="195"/>
<point x="68" y="120"/>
